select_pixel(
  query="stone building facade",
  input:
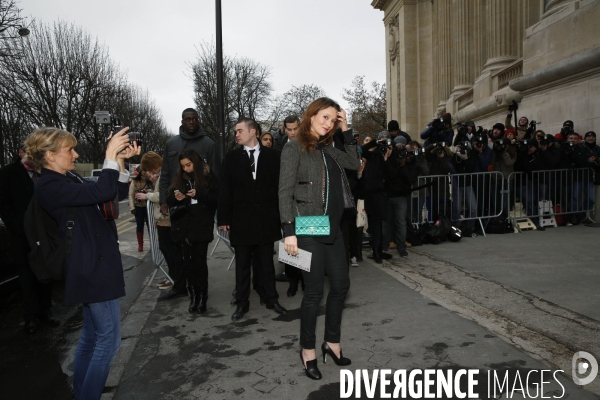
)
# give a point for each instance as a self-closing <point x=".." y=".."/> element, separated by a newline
<point x="472" y="58"/>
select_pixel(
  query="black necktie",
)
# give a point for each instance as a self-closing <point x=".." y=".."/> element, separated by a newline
<point x="252" y="162"/>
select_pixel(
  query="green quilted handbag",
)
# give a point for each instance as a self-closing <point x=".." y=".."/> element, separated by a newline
<point x="315" y="225"/>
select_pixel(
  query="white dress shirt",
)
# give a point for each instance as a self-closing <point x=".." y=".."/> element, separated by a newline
<point x="256" y="153"/>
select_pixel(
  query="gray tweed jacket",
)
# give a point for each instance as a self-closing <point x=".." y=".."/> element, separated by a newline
<point x="301" y="179"/>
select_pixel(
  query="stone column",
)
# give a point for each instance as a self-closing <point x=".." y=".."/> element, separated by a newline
<point x="443" y="51"/>
<point x="504" y="31"/>
<point x="463" y="44"/>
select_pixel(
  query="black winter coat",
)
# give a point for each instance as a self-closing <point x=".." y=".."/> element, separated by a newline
<point x="16" y="191"/>
<point x="399" y="179"/>
<point x="94" y="271"/>
<point x="198" y="224"/>
<point x="250" y="207"/>
<point x="373" y="183"/>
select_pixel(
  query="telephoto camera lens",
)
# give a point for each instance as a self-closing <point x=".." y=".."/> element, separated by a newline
<point x="135" y="137"/>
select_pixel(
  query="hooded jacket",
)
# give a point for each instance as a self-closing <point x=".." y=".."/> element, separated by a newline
<point x="202" y="144"/>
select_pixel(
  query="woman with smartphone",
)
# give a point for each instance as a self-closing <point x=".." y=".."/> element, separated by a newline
<point x="139" y="184"/>
<point x="192" y="200"/>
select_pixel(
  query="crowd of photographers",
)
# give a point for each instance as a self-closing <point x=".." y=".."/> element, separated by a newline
<point x="558" y="167"/>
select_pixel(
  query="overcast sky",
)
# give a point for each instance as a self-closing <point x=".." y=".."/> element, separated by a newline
<point x="322" y="42"/>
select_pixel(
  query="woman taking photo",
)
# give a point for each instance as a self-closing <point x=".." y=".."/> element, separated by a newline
<point x="139" y="185"/>
<point x="192" y="200"/>
<point x="93" y="271"/>
<point x="313" y="183"/>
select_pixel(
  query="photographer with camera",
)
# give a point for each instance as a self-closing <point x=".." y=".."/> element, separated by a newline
<point x="376" y="201"/>
<point x="464" y="161"/>
<point x="504" y="158"/>
<point x="394" y="130"/>
<point x="482" y="162"/>
<point x="464" y="132"/>
<point x="533" y="187"/>
<point x="400" y="175"/>
<point x="439" y="157"/>
<point x="497" y="134"/>
<point x="565" y="131"/>
<point x="569" y="160"/>
<point x="93" y="269"/>
<point x="589" y="156"/>
<point x="522" y="126"/>
<point x="416" y="156"/>
<point x="438" y="130"/>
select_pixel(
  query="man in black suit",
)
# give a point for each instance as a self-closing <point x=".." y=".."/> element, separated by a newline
<point x="16" y="191"/>
<point x="249" y="207"/>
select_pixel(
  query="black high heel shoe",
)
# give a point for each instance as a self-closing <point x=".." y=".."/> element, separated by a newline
<point x="311" y="368"/>
<point x="338" y="361"/>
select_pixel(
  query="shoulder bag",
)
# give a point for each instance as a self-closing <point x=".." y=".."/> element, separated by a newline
<point x="315" y="225"/>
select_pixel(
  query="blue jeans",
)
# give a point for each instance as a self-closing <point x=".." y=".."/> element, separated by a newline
<point x="98" y="344"/>
<point x="398" y="207"/>
<point x="465" y="196"/>
<point x="534" y="194"/>
<point x="588" y="192"/>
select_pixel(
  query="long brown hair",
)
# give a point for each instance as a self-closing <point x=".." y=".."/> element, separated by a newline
<point x="305" y="137"/>
<point x="201" y="169"/>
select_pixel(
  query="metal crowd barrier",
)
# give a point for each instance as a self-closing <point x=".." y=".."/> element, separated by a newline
<point x="546" y="195"/>
<point x="479" y="197"/>
<point x="157" y="256"/>
<point x="224" y="236"/>
<point x="462" y="197"/>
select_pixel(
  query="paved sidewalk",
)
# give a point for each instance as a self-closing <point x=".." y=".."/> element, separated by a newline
<point x="560" y="264"/>
<point x="386" y="324"/>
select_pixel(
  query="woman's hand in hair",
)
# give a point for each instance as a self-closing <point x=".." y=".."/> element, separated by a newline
<point x="342" y="118"/>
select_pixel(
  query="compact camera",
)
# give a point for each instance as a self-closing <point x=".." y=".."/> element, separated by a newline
<point x="113" y="124"/>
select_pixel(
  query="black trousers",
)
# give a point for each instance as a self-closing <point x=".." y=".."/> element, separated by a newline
<point x="293" y="274"/>
<point x="195" y="264"/>
<point x="330" y="258"/>
<point x="256" y="275"/>
<point x="173" y="256"/>
<point x="243" y="260"/>
<point x="141" y="218"/>
<point x="36" y="295"/>
<point x="376" y="231"/>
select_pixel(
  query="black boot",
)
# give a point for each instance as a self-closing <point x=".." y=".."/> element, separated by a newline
<point x="377" y="256"/>
<point x="203" y="298"/>
<point x="383" y="255"/>
<point x="194" y="298"/>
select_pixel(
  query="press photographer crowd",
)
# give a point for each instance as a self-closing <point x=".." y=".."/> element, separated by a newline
<point x="385" y="190"/>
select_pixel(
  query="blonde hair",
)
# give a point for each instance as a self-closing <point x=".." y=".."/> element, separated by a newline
<point x="43" y="140"/>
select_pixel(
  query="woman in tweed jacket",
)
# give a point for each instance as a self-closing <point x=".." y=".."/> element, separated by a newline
<point x="312" y="182"/>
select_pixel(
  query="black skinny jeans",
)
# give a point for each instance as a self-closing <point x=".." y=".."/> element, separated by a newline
<point x="195" y="264"/>
<point x="172" y="253"/>
<point x="141" y="217"/>
<point x="330" y="258"/>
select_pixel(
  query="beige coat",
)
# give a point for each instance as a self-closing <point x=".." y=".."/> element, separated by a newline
<point x="154" y="197"/>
